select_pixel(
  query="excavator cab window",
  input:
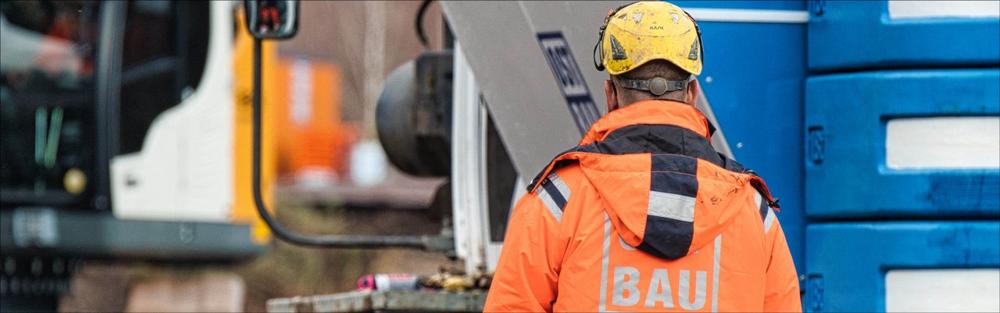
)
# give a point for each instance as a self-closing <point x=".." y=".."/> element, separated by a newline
<point x="163" y="58"/>
<point x="48" y="90"/>
<point x="47" y="100"/>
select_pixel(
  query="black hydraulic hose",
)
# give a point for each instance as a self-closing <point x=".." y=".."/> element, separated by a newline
<point x="419" y="21"/>
<point x="338" y="241"/>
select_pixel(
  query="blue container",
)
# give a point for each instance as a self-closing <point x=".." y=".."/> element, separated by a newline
<point x="845" y="124"/>
<point x="853" y="35"/>
<point x="847" y="262"/>
<point x="756" y="93"/>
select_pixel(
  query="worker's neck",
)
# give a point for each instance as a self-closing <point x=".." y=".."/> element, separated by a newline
<point x="650" y="112"/>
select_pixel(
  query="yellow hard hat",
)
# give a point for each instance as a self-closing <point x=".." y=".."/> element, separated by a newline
<point x="644" y="31"/>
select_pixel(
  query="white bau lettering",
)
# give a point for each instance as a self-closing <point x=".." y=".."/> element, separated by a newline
<point x="626" y="292"/>
<point x="699" y="291"/>
<point x="659" y="290"/>
<point x="626" y="279"/>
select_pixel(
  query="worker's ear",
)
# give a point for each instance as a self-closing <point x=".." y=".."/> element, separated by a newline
<point x="610" y="95"/>
<point x="694" y="88"/>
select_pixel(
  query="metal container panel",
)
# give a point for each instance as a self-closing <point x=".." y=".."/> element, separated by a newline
<point x="846" y="117"/>
<point x="847" y="263"/>
<point x="852" y="35"/>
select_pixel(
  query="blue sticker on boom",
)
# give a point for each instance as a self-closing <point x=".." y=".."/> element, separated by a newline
<point x="570" y="79"/>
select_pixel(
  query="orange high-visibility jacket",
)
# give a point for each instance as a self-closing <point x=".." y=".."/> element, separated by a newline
<point x="644" y="215"/>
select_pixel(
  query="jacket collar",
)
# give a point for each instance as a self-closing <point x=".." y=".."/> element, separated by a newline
<point x="650" y="112"/>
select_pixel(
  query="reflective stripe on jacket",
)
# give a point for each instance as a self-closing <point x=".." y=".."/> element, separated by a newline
<point x="644" y="215"/>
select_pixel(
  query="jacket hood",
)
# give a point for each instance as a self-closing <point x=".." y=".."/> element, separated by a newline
<point x="665" y="189"/>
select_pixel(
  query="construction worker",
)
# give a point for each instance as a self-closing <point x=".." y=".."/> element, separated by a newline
<point x="644" y="215"/>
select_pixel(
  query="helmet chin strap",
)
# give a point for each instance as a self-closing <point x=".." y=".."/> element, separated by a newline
<point x="657" y="86"/>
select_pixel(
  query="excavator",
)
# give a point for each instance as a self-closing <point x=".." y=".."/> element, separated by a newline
<point x="118" y="147"/>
